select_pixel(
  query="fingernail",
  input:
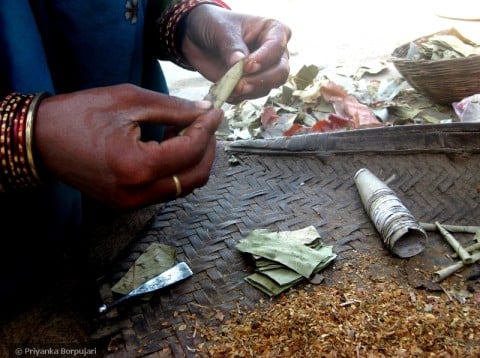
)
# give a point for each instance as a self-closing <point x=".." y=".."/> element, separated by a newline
<point x="203" y="104"/>
<point x="236" y="56"/>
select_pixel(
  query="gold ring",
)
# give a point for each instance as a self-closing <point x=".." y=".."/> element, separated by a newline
<point x="178" y="185"/>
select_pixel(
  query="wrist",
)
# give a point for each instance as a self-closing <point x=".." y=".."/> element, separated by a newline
<point x="172" y="29"/>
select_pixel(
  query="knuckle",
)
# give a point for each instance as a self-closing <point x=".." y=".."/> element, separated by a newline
<point x="138" y="176"/>
<point x="177" y="102"/>
<point x="131" y="173"/>
<point x="127" y="88"/>
<point x="280" y="27"/>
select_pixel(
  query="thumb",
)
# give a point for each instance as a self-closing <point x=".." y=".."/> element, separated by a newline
<point x="235" y="56"/>
<point x="234" y="48"/>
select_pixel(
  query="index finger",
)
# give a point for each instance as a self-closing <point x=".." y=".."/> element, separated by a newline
<point x="181" y="152"/>
<point x="153" y="107"/>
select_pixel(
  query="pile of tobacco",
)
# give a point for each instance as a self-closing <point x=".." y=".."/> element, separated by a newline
<point x="375" y="319"/>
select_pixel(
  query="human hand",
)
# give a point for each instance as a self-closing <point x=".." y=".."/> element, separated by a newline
<point x="91" y="140"/>
<point x="216" y="38"/>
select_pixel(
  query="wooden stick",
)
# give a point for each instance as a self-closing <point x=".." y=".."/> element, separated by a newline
<point x="462" y="253"/>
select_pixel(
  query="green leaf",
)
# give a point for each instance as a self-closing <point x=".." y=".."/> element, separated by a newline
<point x="221" y="90"/>
<point x="155" y="260"/>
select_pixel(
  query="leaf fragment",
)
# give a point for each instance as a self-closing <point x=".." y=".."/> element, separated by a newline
<point x="220" y="91"/>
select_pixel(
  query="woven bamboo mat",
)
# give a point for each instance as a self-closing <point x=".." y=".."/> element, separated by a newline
<point x="439" y="181"/>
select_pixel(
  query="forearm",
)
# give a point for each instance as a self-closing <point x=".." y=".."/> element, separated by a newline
<point x="18" y="169"/>
<point x="170" y="28"/>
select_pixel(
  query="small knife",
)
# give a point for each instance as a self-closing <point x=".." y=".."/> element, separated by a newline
<point x="174" y="274"/>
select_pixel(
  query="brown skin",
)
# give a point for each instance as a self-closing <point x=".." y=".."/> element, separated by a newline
<point x="91" y="139"/>
<point x="217" y="38"/>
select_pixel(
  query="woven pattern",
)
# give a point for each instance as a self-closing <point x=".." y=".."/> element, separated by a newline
<point x="279" y="193"/>
<point x="443" y="81"/>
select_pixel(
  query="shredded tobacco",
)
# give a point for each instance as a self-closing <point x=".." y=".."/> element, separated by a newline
<point x="378" y="319"/>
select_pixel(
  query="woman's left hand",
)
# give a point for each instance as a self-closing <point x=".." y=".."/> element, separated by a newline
<point x="216" y="38"/>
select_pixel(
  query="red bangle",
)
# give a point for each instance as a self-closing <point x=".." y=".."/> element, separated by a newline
<point x="169" y="29"/>
<point x="17" y="167"/>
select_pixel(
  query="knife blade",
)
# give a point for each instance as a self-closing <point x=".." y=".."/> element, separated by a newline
<point x="174" y="274"/>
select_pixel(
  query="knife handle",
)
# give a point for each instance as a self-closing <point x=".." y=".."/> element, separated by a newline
<point x="104" y="308"/>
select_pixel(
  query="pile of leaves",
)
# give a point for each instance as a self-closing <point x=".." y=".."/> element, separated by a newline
<point x="442" y="47"/>
<point x="333" y="99"/>
<point x="379" y="319"/>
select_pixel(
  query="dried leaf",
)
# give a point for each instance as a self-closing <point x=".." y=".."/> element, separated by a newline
<point x="365" y="103"/>
<point x="361" y="114"/>
<point x="269" y="117"/>
<point x="373" y="68"/>
<point x="333" y="92"/>
<point x="283" y="124"/>
<point x="155" y="260"/>
<point x="220" y="91"/>
<point x="297" y="129"/>
<point x="305" y="76"/>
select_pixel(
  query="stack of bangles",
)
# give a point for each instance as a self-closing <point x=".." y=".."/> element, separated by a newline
<point x="17" y="111"/>
<point x="17" y="167"/>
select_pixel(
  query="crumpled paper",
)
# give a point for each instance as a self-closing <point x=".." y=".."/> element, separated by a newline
<point x="283" y="259"/>
<point x="468" y="109"/>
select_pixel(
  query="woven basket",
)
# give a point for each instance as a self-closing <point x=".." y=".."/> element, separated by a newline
<point x="442" y="81"/>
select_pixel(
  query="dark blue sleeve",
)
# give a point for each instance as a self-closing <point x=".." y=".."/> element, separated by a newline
<point x="23" y="64"/>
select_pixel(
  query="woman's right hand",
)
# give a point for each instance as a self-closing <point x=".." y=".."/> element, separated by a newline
<point x="91" y="140"/>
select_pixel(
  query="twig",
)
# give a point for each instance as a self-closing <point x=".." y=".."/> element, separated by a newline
<point x="446" y="292"/>
<point x="349" y="302"/>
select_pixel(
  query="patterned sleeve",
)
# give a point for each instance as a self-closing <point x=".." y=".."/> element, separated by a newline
<point x="170" y="23"/>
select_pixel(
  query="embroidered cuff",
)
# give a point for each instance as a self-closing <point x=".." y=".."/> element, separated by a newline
<point x="170" y="29"/>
